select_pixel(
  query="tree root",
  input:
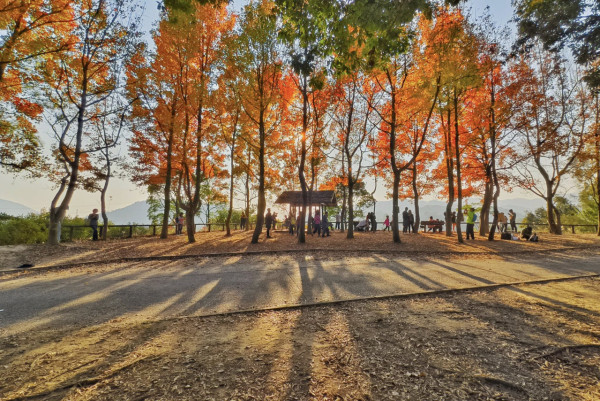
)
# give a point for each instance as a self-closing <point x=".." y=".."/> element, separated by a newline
<point x="566" y="348"/>
<point x="501" y="382"/>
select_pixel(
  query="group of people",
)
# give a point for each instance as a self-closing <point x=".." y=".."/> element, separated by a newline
<point x="368" y="224"/>
<point x="320" y="224"/>
<point x="503" y="221"/>
<point x="408" y="222"/>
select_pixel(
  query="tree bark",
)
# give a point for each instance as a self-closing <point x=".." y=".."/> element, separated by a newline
<point x="103" y="197"/>
<point x="300" y="223"/>
<point x="350" y="233"/>
<point x="450" y="177"/>
<point x="167" y="193"/>
<point x="488" y="197"/>
<point x="396" y="207"/>
<point x="494" y="171"/>
<point x="416" y="197"/>
<point x="57" y="214"/>
<point x="262" y="203"/>
<point x="230" y="211"/>
<point x="458" y="172"/>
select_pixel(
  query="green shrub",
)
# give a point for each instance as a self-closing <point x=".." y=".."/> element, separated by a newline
<point x="23" y="230"/>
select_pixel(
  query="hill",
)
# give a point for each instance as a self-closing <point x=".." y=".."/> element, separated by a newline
<point x="135" y="213"/>
<point x="14" y="208"/>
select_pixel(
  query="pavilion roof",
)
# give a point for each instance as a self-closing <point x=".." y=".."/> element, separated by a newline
<point x="315" y="198"/>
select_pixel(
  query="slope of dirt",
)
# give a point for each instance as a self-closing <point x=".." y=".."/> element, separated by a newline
<point x="538" y="342"/>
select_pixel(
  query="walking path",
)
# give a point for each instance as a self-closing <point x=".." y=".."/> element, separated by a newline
<point x="161" y="289"/>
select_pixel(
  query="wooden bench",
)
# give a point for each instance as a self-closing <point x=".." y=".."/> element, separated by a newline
<point x="437" y="226"/>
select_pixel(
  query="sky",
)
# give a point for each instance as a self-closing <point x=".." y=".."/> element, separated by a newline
<point x="37" y="194"/>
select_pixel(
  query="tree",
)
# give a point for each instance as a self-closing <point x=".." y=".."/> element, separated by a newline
<point x="410" y="94"/>
<point x="198" y="40"/>
<point x="452" y="52"/>
<point x="352" y="115"/>
<point x="79" y="79"/>
<point x="152" y="80"/>
<point x="228" y="117"/>
<point x="552" y="119"/>
<point x="559" y="24"/>
<point x="303" y="35"/>
<point x="31" y="30"/>
<point x="587" y="169"/>
<point x="258" y="57"/>
<point x="107" y="126"/>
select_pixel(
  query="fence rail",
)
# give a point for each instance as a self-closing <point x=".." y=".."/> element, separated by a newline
<point x="143" y="230"/>
<point x="137" y="230"/>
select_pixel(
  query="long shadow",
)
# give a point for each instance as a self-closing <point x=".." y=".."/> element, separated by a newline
<point x="400" y="269"/>
<point x="16" y="379"/>
<point x="561" y="307"/>
<point x="461" y="272"/>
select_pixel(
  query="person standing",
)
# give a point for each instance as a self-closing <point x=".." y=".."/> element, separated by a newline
<point x="373" y="221"/>
<point x="268" y="222"/>
<point x="338" y="221"/>
<point x="405" y="220"/>
<point x="470" y="223"/>
<point x="453" y="222"/>
<point x="411" y="222"/>
<point x="292" y="224"/>
<point x="179" y="224"/>
<point x="317" y="223"/>
<point x="243" y="221"/>
<point x="386" y="223"/>
<point x="513" y="220"/>
<point x="325" y="224"/>
<point x="502" y="222"/>
<point x="93" y="221"/>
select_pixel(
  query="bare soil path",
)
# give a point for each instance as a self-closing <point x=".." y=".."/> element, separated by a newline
<point x="156" y="329"/>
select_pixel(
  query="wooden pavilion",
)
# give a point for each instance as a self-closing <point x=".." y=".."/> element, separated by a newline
<point x="319" y="199"/>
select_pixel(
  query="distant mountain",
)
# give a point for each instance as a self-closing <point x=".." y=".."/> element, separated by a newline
<point x="14" y="209"/>
<point x="436" y="208"/>
<point x="135" y="213"/>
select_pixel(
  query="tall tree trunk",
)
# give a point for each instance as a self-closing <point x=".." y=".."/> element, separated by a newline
<point x="230" y="211"/>
<point x="416" y="197"/>
<point x="167" y="210"/>
<point x="395" y="170"/>
<point x="350" y="233"/>
<point x="494" y="171"/>
<point x="458" y="173"/>
<point x="554" y="226"/>
<point x="262" y="202"/>
<point x="247" y="188"/>
<point x="597" y="148"/>
<point x="300" y="223"/>
<point x="488" y="197"/>
<point x="344" y="209"/>
<point x="57" y="214"/>
<point x="103" y="196"/>
<point x="396" y="207"/>
<point x="450" y="177"/>
<point x="344" y="193"/>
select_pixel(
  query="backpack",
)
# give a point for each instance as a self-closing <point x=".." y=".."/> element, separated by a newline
<point x="474" y="218"/>
<point x="507" y="236"/>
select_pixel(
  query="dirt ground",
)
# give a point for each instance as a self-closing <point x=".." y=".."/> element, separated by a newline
<point x="531" y="342"/>
<point x="213" y="243"/>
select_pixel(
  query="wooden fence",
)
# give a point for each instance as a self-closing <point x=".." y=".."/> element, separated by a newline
<point x="133" y="230"/>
